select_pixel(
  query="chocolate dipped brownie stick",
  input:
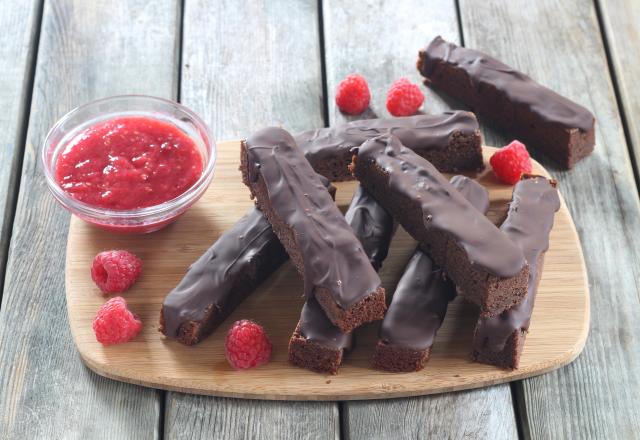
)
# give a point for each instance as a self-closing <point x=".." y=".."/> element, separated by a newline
<point x="217" y="282"/>
<point x="316" y="343"/>
<point x="511" y="100"/>
<point x="319" y="241"/>
<point x="420" y="302"/>
<point x="485" y="265"/>
<point x="499" y="340"/>
<point x="450" y="141"/>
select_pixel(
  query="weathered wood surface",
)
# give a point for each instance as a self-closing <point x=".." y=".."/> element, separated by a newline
<point x="20" y="22"/>
<point x="380" y="40"/>
<point x="560" y="45"/>
<point x="246" y="66"/>
<point x="621" y="22"/>
<point x="87" y="50"/>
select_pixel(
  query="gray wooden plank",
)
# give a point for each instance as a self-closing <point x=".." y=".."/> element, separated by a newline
<point x="249" y="419"/>
<point x="620" y="19"/>
<point x="380" y="40"/>
<point x="246" y="66"/>
<point x="560" y="45"/>
<point x="20" y="23"/>
<point x="87" y="50"/>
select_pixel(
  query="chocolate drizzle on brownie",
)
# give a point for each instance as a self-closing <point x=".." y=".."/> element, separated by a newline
<point x="485" y="71"/>
<point x="331" y="256"/>
<point x="423" y="293"/>
<point x="374" y="227"/>
<point x="235" y="265"/>
<point x="421" y="132"/>
<point x="212" y="279"/>
<point x="528" y="224"/>
<point x="443" y="207"/>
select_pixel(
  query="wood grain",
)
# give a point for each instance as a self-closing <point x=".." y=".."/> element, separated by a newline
<point x="246" y="65"/>
<point x="381" y="40"/>
<point x="559" y="44"/>
<point x="621" y="19"/>
<point x="87" y="50"/>
<point x="557" y="334"/>
<point x="20" y="21"/>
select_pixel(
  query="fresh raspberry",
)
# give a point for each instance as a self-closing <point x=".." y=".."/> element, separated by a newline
<point x="353" y="95"/>
<point x="114" y="322"/>
<point x="511" y="162"/>
<point x="247" y="345"/>
<point x="404" y="98"/>
<point x="115" y="271"/>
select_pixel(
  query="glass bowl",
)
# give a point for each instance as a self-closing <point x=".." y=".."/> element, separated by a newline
<point x="142" y="220"/>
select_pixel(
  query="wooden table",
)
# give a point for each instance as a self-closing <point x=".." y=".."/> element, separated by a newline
<point x="278" y="62"/>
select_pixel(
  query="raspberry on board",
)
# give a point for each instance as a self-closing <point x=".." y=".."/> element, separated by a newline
<point x="352" y="95"/>
<point x="115" y="271"/>
<point x="247" y="345"/>
<point x="509" y="163"/>
<point x="404" y="98"/>
<point x="115" y="323"/>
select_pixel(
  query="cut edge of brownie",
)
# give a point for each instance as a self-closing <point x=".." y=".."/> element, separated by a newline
<point x="312" y="355"/>
<point x="397" y="359"/>
<point x="508" y="358"/>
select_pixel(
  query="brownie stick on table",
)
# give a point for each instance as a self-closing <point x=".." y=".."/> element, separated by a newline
<point x="316" y="343"/>
<point x="498" y="340"/>
<point x="560" y="128"/>
<point x="486" y="266"/>
<point x="450" y="141"/>
<point x="420" y="302"/>
<point x="216" y="283"/>
<point x="315" y="234"/>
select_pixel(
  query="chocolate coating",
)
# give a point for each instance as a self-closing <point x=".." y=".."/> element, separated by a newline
<point x="240" y="259"/>
<point x="210" y="280"/>
<point x="443" y="208"/>
<point x="484" y="71"/>
<point x="374" y="227"/>
<point x="421" y="298"/>
<point x="420" y="133"/>
<point x="371" y="224"/>
<point x="529" y="221"/>
<point x="332" y="257"/>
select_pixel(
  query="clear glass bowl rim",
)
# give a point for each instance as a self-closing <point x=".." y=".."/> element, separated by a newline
<point x="185" y="199"/>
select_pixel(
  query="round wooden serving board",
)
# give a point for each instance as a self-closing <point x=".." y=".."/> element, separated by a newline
<point x="558" y="331"/>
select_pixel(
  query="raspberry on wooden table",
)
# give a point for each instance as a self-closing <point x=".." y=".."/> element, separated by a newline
<point x="247" y="345"/>
<point x="404" y="98"/>
<point x="115" y="271"/>
<point x="511" y="162"/>
<point x="114" y="323"/>
<point x="352" y="95"/>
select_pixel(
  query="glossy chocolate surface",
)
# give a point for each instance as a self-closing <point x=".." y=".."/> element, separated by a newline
<point x="421" y="298"/>
<point x="444" y="208"/>
<point x="484" y="71"/>
<point x="332" y="257"/>
<point x="529" y="221"/>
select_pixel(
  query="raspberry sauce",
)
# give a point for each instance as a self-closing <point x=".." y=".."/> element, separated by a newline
<point x="128" y="163"/>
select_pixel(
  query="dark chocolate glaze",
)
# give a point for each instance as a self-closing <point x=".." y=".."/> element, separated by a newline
<point x="444" y="208"/>
<point x="332" y="256"/>
<point x="420" y="133"/>
<point x="471" y="190"/>
<point x="485" y="71"/>
<point x="374" y="227"/>
<point x="211" y="279"/>
<point x="528" y="224"/>
<point x="371" y="224"/>
<point x="421" y="298"/>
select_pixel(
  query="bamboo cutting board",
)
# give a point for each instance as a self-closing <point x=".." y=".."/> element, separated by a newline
<point x="558" y="331"/>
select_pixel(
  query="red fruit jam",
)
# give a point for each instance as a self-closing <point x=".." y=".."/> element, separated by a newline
<point x="128" y="163"/>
